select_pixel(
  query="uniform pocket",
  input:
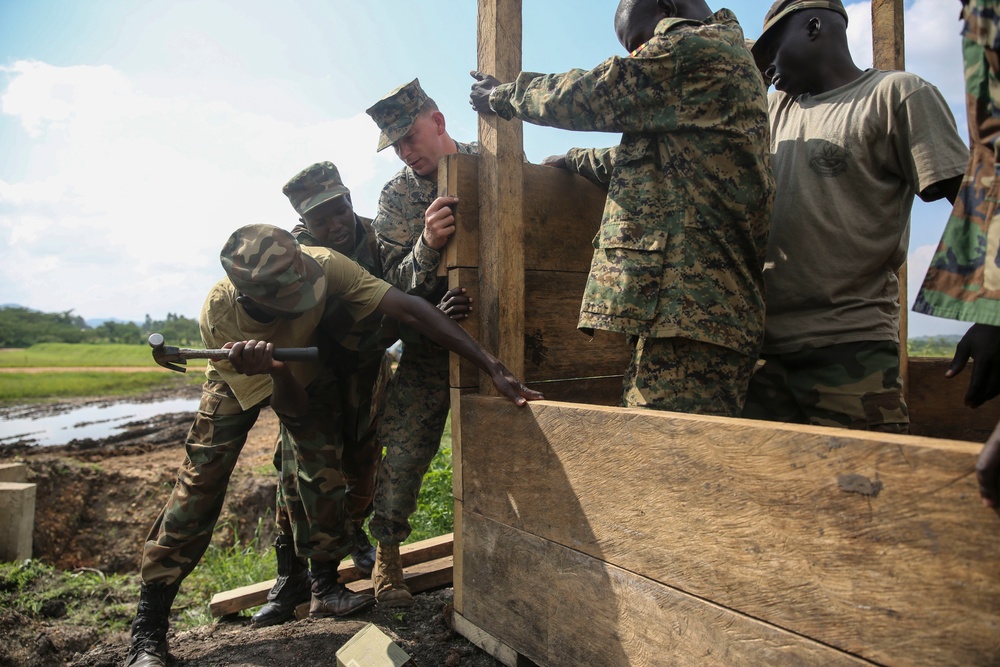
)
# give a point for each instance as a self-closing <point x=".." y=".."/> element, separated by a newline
<point x="626" y="272"/>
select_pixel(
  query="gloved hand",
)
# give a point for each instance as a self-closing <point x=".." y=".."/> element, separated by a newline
<point x="981" y="343"/>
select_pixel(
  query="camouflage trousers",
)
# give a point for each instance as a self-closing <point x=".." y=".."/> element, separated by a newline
<point x="353" y="401"/>
<point x="415" y="410"/>
<point x="850" y="385"/>
<point x="183" y="530"/>
<point x="683" y="375"/>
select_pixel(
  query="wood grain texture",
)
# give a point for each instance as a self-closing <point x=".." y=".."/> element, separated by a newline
<point x="554" y="349"/>
<point x="875" y="544"/>
<point x="560" y="607"/>
<point x="501" y="200"/>
<point x="937" y="404"/>
<point x="562" y="213"/>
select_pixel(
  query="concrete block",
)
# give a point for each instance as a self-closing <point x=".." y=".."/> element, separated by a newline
<point x="17" y="520"/>
<point x="13" y="472"/>
<point x="372" y="648"/>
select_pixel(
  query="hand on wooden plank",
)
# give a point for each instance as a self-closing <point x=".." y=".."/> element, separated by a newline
<point x="456" y="304"/>
<point x="439" y="222"/>
<point x="981" y="343"/>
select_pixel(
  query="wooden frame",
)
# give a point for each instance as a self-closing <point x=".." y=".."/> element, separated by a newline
<point x="588" y="534"/>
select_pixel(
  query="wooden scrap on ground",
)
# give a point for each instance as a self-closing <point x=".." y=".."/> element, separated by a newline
<point x="426" y="565"/>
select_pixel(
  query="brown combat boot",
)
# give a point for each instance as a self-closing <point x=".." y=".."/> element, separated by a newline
<point x="332" y="598"/>
<point x="387" y="578"/>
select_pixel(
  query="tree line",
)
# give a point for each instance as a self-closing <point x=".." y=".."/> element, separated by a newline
<point x="23" y="327"/>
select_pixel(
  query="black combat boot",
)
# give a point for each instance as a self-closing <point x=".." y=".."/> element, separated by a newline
<point x="290" y="590"/>
<point x="332" y="598"/>
<point x="150" y="625"/>
<point x="364" y="551"/>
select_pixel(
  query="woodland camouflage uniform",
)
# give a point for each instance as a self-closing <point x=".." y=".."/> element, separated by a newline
<point x="678" y="260"/>
<point x="353" y="355"/>
<point x="184" y="527"/>
<point x="963" y="280"/>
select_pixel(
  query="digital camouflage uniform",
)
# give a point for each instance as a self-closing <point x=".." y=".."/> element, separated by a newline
<point x="679" y="257"/>
<point x="231" y="403"/>
<point x="416" y="401"/>
<point x="963" y="280"/>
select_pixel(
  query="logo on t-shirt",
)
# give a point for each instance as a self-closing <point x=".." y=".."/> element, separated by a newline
<point x="827" y="158"/>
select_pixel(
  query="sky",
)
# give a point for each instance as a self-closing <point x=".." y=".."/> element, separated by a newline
<point x="135" y="135"/>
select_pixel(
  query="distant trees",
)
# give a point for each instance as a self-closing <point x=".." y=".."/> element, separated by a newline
<point x="23" y="327"/>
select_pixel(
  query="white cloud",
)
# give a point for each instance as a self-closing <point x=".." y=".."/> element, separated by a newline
<point x="137" y="193"/>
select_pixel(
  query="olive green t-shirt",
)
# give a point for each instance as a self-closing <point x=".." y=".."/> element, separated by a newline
<point x="847" y="164"/>
<point x="223" y="320"/>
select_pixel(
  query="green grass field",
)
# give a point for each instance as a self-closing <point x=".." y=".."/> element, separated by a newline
<point x="18" y="387"/>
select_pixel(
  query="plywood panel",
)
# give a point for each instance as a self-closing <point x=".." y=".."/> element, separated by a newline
<point x="877" y="545"/>
<point x="560" y="607"/>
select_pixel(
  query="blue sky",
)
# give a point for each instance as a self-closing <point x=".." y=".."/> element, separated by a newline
<point x="137" y="135"/>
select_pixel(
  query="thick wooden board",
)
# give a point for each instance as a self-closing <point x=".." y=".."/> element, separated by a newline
<point x="562" y="214"/>
<point x="605" y="390"/>
<point x="484" y="640"/>
<point x="419" y="578"/>
<point x="874" y="544"/>
<point x="501" y="196"/>
<point x="560" y="607"/>
<point x="238" y="599"/>
<point x="937" y="404"/>
<point x="554" y="348"/>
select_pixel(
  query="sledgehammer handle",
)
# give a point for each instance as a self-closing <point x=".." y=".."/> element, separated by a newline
<point x="279" y="353"/>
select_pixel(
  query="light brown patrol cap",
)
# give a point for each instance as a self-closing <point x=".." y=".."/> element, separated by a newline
<point x="394" y="114"/>
<point x="782" y="8"/>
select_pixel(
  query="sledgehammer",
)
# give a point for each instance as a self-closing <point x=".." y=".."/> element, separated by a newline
<point x="175" y="358"/>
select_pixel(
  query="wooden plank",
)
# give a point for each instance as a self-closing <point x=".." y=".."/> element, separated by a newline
<point x="562" y="213"/>
<point x="501" y="221"/>
<point x="458" y="175"/>
<point x="873" y="543"/>
<point x="605" y="390"/>
<point x="244" y="597"/>
<point x="554" y="348"/>
<point x="419" y="578"/>
<point x="937" y="404"/>
<point x="484" y="640"/>
<point x="888" y="52"/>
<point x="558" y="606"/>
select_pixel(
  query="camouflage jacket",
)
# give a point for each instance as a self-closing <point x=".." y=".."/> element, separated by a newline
<point x="963" y="279"/>
<point x="409" y="265"/>
<point x="682" y="241"/>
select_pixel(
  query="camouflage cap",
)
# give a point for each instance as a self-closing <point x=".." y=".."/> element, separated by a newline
<point x="782" y="8"/>
<point x="267" y="264"/>
<point x="313" y="186"/>
<point x="394" y="114"/>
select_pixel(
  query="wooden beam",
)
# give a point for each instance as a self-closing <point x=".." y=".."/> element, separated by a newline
<point x="875" y="544"/>
<point x="888" y="52"/>
<point x="501" y="289"/>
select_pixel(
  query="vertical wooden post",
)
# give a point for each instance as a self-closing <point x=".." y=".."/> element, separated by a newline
<point x="501" y="219"/>
<point x="888" y="53"/>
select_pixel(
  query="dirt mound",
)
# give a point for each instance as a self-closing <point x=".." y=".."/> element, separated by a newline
<point x="95" y="501"/>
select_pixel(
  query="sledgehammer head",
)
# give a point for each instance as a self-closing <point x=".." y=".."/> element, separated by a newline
<point x="168" y="357"/>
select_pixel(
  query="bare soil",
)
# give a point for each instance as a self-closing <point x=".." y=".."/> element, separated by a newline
<point x="95" y="502"/>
